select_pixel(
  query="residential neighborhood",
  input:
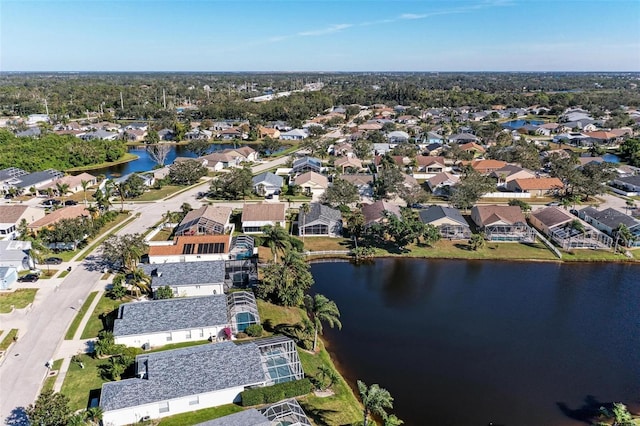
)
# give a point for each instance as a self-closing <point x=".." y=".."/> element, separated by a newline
<point x="184" y="271"/>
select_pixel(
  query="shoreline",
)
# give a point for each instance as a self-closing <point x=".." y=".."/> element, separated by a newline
<point x="126" y="158"/>
<point x="351" y="259"/>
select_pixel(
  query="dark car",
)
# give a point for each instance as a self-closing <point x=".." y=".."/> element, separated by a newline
<point x="50" y="202"/>
<point x="29" y="278"/>
<point x="52" y="261"/>
<point x="70" y="203"/>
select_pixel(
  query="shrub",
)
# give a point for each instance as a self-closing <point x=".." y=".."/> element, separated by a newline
<point x="252" y="397"/>
<point x="242" y="335"/>
<point x="275" y="393"/>
<point x="254" y="330"/>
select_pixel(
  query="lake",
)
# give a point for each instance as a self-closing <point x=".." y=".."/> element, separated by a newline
<point x="474" y="342"/>
<point x="516" y="124"/>
<point x="145" y="163"/>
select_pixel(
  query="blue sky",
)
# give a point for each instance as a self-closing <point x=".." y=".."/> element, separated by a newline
<point x="329" y="35"/>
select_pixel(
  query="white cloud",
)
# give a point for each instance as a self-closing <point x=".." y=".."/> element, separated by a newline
<point x="329" y="30"/>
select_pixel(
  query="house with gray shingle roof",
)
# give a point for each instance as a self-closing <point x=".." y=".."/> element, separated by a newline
<point x="448" y="220"/>
<point x="197" y="377"/>
<point x="321" y="220"/>
<point x="280" y="413"/>
<point x="159" y="322"/>
<point x="609" y="220"/>
<point x="267" y="183"/>
<point x="188" y="279"/>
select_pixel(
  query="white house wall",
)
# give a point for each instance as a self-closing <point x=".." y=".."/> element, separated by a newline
<point x="174" y="258"/>
<point x="176" y="406"/>
<point x="169" y="337"/>
<point x="198" y="290"/>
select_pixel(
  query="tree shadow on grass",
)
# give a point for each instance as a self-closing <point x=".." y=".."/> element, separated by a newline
<point x="319" y="416"/>
<point x="461" y="246"/>
<point x="589" y="410"/>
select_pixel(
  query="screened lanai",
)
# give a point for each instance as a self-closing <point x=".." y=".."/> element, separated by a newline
<point x="280" y="359"/>
<point x="242" y="310"/>
<point x="286" y="413"/>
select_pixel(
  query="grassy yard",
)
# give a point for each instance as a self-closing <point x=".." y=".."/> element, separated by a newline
<point x="459" y="250"/>
<point x="326" y="243"/>
<point x="340" y="409"/>
<point x="82" y="383"/>
<point x="597" y="256"/>
<point x="63" y="274"/>
<point x="158" y="194"/>
<point x="8" y="339"/>
<point x="163" y="235"/>
<point x="51" y="380"/>
<point x="178" y="346"/>
<point x="195" y="417"/>
<point x="19" y="298"/>
<point x="105" y="306"/>
<point x="78" y="318"/>
<point x="48" y="273"/>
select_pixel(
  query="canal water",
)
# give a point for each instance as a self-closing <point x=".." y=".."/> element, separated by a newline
<point x="475" y="342"/>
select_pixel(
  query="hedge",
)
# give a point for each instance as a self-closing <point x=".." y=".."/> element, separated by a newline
<point x="275" y="393"/>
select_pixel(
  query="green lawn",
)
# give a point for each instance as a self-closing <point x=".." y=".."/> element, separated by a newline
<point x="79" y="316"/>
<point x="459" y="250"/>
<point x="163" y="235"/>
<point x="63" y="274"/>
<point x="178" y="346"/>
<point x="326" y="243"/>
<point x="81" y="383"/>
<point x="340" y="409"/>
<point x="106" y="305"/>
<point x="195" y="417"/>
<point x="158" y="194"/>
<point x="48" y="273"/>
<point x="51" y="380"/>
<point x="19" y="298"/>
<point x="8" y="339"/>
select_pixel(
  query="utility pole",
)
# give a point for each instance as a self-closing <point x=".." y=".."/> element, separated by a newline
<point x="121" y="102"/>
<point x="46" y="107"/>
<point x="164" y="99"/>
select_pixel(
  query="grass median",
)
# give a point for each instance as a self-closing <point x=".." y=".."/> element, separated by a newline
<point x="8" y="339"/>
<point x="73" y="328"/>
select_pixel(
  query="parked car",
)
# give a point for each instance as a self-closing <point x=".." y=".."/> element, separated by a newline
<point x="70" y="203"/>
<point x="52" y="261"/>
<point x="553" y="204"/>
<point x="29" y="278"/>
<point x="51" y="202"/>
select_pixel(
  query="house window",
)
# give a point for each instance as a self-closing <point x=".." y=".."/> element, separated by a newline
<point x="163" y="407"/>
<point x="169" y="338"/>
<point x="202" y="332"/>
<point x="194" y="400"/>
<point x="188" y="334"/>
<point x="197" y="287"/>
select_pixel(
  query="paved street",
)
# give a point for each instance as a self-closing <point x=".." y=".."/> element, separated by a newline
<point x="43" y="326"/>
<point x="41" y="331"/>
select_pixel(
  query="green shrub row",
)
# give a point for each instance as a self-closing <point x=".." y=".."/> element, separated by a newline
<point x="275" y="393"/>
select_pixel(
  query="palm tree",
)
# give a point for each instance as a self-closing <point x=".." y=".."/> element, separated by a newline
<point x="122" y="192"/>
<point x="304" y="209"/>
<point x="325" y="372"/>
<point x="578" y="226"/>
<point x="477" y="242"/>
<point x="94" y="415"/>
<point x="622" y="232"/>
<point x="320" y="309"/>
<point x="277" y="239"/>
<point x="374" y="399"/>
<point x="62" y="188"/>
<point x="140" y="281"/>
<point x="392" y="420"/>
<point x="85" y="185"/>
